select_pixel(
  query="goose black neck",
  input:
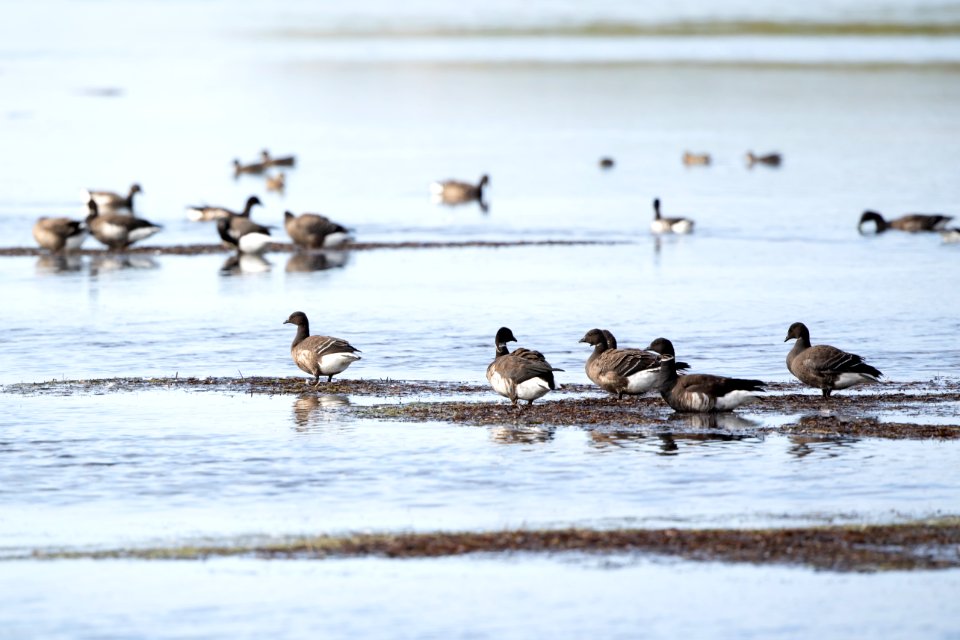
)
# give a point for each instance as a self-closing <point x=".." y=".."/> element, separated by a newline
<point x="303" y="332"/>
<point x="668" y="375"/>
<point x="656" y="209"/>
<point x="502" y="349"/>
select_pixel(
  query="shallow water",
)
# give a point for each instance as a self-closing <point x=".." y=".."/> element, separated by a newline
<point x="377" y="101"/>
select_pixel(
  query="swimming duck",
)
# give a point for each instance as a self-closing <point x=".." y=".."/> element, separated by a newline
<point x="911" y="222"/>
<point x="669" y="225"/>
<point x="606" y="163"/>
<point x="319" y="355"/>
<point x="118" y="231"/>
<point x="703" y="393"/>
<point x="205" y="212"/>
<point x="769" y="159"/>
<point x="254" y="168"/>
<point x="277" y="183"/>
<point x="522" y="375"/>
<point x="59" y="234"/>
<point x="696" y="159"/>
<point x="824" y="367"/>
<point x="313" y="231"/>
<point x="456" y="192"/>
<point x="283" y="161"/>
<point x="110" y="201"/>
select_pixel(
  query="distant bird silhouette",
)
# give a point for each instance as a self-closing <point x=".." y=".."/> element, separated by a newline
<point x="206" y="212"/>
<point x="118" y="231"/>
<point x="912" y="222"/>
<point x="696" y="159"/>
<point x="313" y="231"/>
<point x="109" y="201"/>
<point x="669" y="225"/>
<point x="769" y="159"/>
<point x="453" y="192"/>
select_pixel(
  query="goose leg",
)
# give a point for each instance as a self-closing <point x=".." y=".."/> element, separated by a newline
<point x="826" y="393"/>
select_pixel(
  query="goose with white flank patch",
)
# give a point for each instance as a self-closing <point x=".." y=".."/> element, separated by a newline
<point x="452" y="192"/>
<point x="319" y="355"/>
<point x="206" y="212"/>
<point x="668" y="225"/>
<point x="912" y="222"/>
<point x="620" y="371"/>
<point x="522" y="375"/>
<point x="116" y="230"/>
<point x="824" y="367"/>
<point x="314" y="231"/>
<point x="768" y="159"/>
<point x="703" y="393"/>
<point x="59" y="234"/>
<point x="110" y="201"/>
<point x="282" y="161"/>
<point x="244" y="234"/>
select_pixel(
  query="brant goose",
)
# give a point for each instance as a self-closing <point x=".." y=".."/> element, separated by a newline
<point x="522" y="375"/>
<point x="313" y="231"/>
<point x="283" y="161"/>
<point x="109" y="201"/>
<point x="668" y="225"/>
<point x="205" y="212"/>
<point x="252" y="168"/>
<point x="824" y="367"/>
<point x="455" y="192"/>
<point x="665" y="348"/>
<point x="606" y="163"/>
<point x="244" y="234"/>
<point x="116" y="230"/>
<point x="319" y="355"/>
<point x="703" y="393"/>
<point x="912" y="222"/>
<point x="769" y="159"/>
<point x="620" y="371"/>
<point x="57" y="234"/>
<point x="277" y="183"/>
<point x="696" y="159"/>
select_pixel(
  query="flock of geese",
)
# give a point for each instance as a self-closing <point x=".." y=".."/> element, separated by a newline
<point x="525" y="374"/>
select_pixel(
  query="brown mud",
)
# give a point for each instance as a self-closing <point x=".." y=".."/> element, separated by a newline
<point x="870" y="548"/>
<point x="841" y="416"/>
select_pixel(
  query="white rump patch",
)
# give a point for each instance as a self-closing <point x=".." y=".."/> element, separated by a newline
<point x="253" y="242"/>
<point x="141" y="233"/>
<point x="335" y="239"/>
<point x="532" y="389"/>
<point x="336" y="362"/>
<point x="846" y="380"/>
<point x="734" y="399"/>
<point x="642" y="381"/>
<point x="74" y="242"/>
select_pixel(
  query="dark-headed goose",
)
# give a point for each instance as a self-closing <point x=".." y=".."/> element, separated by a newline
<point x="457" y="192"/>
<point x="912" y="222"/>
<point x="282" y="161"/>
<point x="668" y="225"/>
<point x="118" y="231"/>
<point x="703" y="393"/>
<point x="319" y="355"/>
<point x="620" y="371"/>
<point x="769" y="159"/>
<point x="824" y="367"/>
<point x="58" y="234"/>
<point x="244" y="234"/>
<point x="696" y="159"/>
<point x="110" y="201"/>
<point x="313" y="231"/>
<point x="522" y="375"/>
<point x="206" y="212"/>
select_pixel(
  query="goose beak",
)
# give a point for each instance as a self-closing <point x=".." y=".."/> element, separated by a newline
<point x="787" y="338"/>
<point x="287" y="322"/>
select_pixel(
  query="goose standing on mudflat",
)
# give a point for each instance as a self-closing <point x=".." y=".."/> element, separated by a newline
<point x="110" y="201"/>
<point x="244" y="234"/>
<point x="704" y="393"/>
<point x="824" y="367"/>
<point x="620" y="371"/>
<point x="319" y="355"/>
<point x="313" y="231"/>
<point x="116" y="230"/>
<point x="282" y="161"/>
<point x="911" y="222"/>
<point x="769" y="159"/>
<point x="522" y="375"/>
<point x="456" y="192"/>
<point x="668" y="225"/>
<point x="206" y="212"/>
<point x="58" y="234"/>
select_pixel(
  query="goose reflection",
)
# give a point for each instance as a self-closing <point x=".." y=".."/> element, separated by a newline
<point x="311" y="409"/>
<point x="117" y="262"/>
<point x="729" y="421"/>
<point x="521" y="435"/>
<point x="59" y="263"/>
<point x="306" y="261"/>
<point x="241" y="263"/>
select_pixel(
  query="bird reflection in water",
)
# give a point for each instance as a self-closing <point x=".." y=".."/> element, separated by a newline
<point x="118" y="262"/>
<point x="724" y="420"/>
<point x="311" y="409"/>
<point x="521" y="435"/>
<point x="59" y="263"/>
<point x="306" y="261"/>
<point x="241" y="263"/>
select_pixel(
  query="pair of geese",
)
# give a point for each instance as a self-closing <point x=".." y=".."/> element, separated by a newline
<point x="266" y="161"/>
<point x="525" y="374"/>
<point x="704" y="159"/>
<point x="105" y="221"/>
<point x="308" y="231"/>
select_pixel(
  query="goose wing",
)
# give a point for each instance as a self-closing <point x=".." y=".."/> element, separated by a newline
<point x="626" y="362"/>
<point x="826" y="359"/>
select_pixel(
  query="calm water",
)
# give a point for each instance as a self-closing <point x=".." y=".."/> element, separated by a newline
<point x="378" y="101"/>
